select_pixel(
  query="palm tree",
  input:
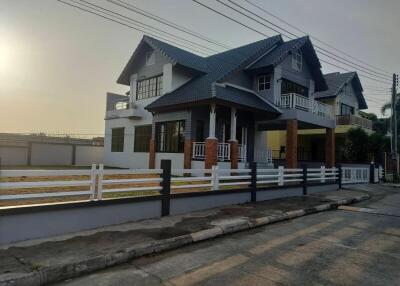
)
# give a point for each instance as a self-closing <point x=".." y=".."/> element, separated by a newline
<point x="388" y="105"/>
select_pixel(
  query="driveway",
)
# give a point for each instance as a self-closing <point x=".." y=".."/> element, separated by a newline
<point x="341" y="247"/>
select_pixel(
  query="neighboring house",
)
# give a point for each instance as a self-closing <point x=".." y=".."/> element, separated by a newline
<point x="345" y="96"/>
<point x="216" y="110"/>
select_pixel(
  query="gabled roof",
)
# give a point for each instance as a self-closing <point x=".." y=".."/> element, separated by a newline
<point x="277" y="55"/>
<point x="218" y="67"/>
<point x="336" y="81"/>
<point x="174" y="54"/>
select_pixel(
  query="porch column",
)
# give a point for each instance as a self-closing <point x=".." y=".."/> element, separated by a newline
<point x="233" y="141"/>
<point x="211" y="144"/>
<point x="291" y="143"/>
<point x="330" y="147"/>
<point x="152" y="147"/>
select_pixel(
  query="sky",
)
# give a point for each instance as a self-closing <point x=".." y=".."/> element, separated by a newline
<point x="57" y="62"/>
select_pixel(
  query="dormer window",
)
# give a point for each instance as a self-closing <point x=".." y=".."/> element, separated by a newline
<point x="297" y="60"/>
<point x="264" y="82"/>
<point x="150" y="58"/>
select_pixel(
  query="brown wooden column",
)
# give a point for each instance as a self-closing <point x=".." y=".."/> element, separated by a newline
<point x="291" y="143"/>
<point x="152" y="154"/>
<point x="234" y="154"/>
<point x="187" y="154"/>
<point x="330" y="147"/>
<point x="211" y="152"/>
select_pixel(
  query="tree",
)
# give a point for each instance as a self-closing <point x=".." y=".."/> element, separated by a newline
<point x="355" y="146"/>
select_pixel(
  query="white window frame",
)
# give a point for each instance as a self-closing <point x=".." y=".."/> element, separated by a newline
<point x="264" y="77"/>
<point x="297" y="60"/>
<point x="150" y="58"/>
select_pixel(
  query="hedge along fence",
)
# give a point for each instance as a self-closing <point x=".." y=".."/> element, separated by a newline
<point x="23" y="186"/>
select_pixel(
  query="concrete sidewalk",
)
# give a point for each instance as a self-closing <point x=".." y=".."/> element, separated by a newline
<point x="43" y="261"/>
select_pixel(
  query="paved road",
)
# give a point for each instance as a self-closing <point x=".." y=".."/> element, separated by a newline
<point x="340" y="247"/>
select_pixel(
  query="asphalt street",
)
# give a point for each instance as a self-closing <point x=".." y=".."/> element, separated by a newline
<point x="341" y="247"/>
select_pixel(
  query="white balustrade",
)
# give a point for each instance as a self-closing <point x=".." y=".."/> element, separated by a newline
<point x="199" y="150"/>
<point x="297" y="101"/>
<point x="224" y="151"/>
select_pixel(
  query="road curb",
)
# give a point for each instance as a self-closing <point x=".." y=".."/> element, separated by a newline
<point x="74" y="269"/>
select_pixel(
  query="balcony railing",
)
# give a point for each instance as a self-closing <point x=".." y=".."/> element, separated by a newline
<point x="224" y="151"/>
<point x="297" y="101"/>
<point x="353" y="120"/>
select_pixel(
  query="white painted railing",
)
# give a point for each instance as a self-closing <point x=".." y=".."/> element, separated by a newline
<point x="297" y="101"/>
<point x="224" y="151"/>
<point x="242" y="153"/>
<point x="30" y="185"/>
<point x="199" y="150"/>
<point x="122" y="104"/>
<point x="351" y="175"/>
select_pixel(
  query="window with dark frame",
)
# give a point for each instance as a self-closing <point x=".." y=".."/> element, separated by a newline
<point x="150" y="87"/>
<point x="117" y="139"/>
<point x="346" y="109"/>
<point x="292" y="87"/>
<point x="297" y="60"/>
<point x="142" y="138"/>
<point x="263" y="82"/>
<point x="170" y="136"/>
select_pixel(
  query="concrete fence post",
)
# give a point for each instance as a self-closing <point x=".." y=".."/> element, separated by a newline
<point x="166" y="187"/>
<point x="253" y="184"/>
<point x="322" y="174"/>
<point x="100" y="182"/>
<point x="215" y="178"/>
<point x="281" y="172"/>
<point x="93" y="182"/>
<point x="304" y="182"/>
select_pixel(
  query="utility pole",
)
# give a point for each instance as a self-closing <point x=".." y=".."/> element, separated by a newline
<point x="394" y="123"/>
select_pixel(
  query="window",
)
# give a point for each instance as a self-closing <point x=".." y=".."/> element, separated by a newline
<point x="117" y="139"/>
<point x="150" y="87"/>
<point x="297" y="60"/>
<point x="291" y="87"/>
<point x="142" y="138"/>
<point x="150" y="58"/>
<point x="346" y="109"/>
<point x="264" y="82"/>
<point x="170" y="136"/>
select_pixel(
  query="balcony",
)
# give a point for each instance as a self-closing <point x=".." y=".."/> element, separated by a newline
<point x="297" y="101"/>
<point x="354" y="120"/>
<point x="119" y="106"/>
<point x="224" y="152"/>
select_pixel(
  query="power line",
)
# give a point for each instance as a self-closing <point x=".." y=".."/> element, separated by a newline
<point x="321" y="50"/>
<point x="315" y="38"/>
<point x="107" y="12"/>
<point x="257" y="31"/>
<point x="166" y="22"/>
<point x="132" y="27"/>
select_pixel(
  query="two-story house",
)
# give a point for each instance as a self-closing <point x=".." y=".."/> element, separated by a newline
<point x="345" y="96"/>
<point x="216" y="110"/>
